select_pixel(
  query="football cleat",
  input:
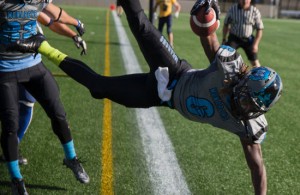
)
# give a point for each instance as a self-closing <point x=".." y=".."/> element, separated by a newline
<point x="77" y="169"/>
<point x="30" y="45"/>
<point x="18" y="187"/>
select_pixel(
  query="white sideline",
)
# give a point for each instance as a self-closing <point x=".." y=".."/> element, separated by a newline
<point x="165" y="173"/>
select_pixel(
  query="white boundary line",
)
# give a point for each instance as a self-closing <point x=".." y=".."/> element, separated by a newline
<point x="165" y="173"/>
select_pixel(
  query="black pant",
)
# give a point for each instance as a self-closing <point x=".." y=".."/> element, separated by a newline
<point x="245" y="43"/>
<point x="41" y="84"/>
<point x="165" y="20"/>
<point x="135" y="90"/>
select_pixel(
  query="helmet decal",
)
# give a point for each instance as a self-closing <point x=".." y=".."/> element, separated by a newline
<point x="260" y="74"/>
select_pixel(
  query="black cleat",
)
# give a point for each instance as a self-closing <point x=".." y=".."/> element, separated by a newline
<point x="18" y="187"/>
<point x="77" y="169"/>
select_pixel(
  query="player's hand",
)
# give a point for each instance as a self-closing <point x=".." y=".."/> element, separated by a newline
<point x="176" y="14"/>
<point x="80" y="43"/>
<point x="80" y="28"/>
<point x="207" y="4"/>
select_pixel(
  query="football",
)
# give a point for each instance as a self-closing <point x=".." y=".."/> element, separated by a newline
<point x="204" y="24"/>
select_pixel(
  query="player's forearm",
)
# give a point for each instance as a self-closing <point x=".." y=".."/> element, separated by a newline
<point x="62" y="29"/>
<point x="210" y="45"/>
<point x="259" y="181"/>
<point x="59" y="15"/>
<point x="253" y="155"/>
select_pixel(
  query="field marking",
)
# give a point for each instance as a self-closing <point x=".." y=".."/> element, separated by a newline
<point x="107" y="161"/>
<point x="165" y="174"/>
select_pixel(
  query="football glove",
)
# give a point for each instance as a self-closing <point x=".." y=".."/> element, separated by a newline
<point x="80" y="43"/>
<point x="207" y="4"/>
<point x="80" y="28"/>
<point x="30" y="45"/>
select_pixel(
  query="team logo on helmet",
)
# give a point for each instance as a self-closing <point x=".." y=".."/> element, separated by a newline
<point x="259" y="74"/>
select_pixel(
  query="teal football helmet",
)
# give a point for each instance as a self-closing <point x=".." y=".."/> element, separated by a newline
<point x="256" y="93"/>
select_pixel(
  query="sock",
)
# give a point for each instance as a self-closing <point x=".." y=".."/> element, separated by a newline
<point x="51" y="53"/>
<point x="69" y="150"/>
<point x="14" y="169"/>
<point x="26" y="111"/>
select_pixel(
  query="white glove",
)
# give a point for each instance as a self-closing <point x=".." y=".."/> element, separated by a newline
<point x="176" y="14"/>
<point x="155" y="16"/>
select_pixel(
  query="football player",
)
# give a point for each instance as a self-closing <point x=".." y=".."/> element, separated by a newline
<point x="226" y="95"/>
<point x="19" y="19"/>
<point x="26" y="101"/>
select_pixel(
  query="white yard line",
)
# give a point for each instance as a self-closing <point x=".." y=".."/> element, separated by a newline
<point x="165" y="173"/>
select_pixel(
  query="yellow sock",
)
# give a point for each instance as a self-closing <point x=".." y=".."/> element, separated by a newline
<point x="51" y="53"/>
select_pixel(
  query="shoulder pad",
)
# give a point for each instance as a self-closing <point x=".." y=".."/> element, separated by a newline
<point x="229" y="61"/>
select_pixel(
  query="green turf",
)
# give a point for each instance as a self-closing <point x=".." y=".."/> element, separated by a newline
<point x="211" y="159"/>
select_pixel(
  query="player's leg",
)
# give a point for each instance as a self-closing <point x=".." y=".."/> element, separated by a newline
<point x="9" y="114"/>
<point x="252" y="56"/>
<point x="135" y="90"/>
<point x="155" y="48"/>
<point x="132" y="90"/>
<point x="44" y="88"/>
<point x="26" y="103"/>
<point x="161" y="23"/>
<point x="233" y="41"/>
<point x="169" y="30"/>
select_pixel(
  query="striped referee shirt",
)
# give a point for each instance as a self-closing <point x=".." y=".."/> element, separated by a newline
<point x="243" y="22"/>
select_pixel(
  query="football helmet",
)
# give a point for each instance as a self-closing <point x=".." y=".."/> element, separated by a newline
<point x="256" y="92"/>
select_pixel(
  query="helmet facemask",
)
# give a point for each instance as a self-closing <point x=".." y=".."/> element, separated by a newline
<point x="245" y="106"/>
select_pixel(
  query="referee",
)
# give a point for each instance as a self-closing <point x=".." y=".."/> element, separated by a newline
<point x="240" y="22"/>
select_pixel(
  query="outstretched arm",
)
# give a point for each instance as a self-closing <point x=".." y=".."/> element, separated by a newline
<point x="57" y="14"/>
<point x="210" y="45"/>
<point x="63" y="29"/>
<point x="56" y="27"/>
<point x="253" y="155"/>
